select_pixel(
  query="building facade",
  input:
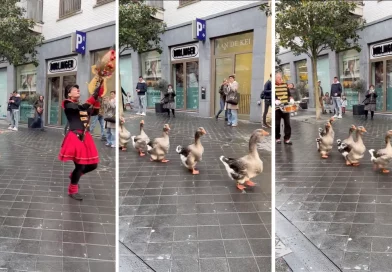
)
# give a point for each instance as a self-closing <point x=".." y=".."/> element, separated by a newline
<point x="373" y="64"/>
<point x="59" y="63"/>
<point x="236" y="42"/>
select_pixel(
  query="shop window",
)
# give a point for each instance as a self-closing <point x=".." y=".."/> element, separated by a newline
<point x="26" y="85"/>
<point x="302" y="71"/>
<point x="126" y="75"/>
<point x="286" y="73"/>
<point x="152" y="73"/>
<point x="69" y="7"/>
<point x="348" y="73"/>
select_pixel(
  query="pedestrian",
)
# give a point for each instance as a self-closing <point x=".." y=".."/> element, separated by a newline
<point x="169" y="101"/>
<point x="223" y="89"/>
<point x="9" y="110"/>
<point x="232" y="102"/>
<point x="282" y="96"/>
<point x="141" y="89"/>
<point x="78" y="145"/>
<point x="128" y="101"/>
<point x="327" y="102"/>
<point x="321" y="96"/>
<point x="14" y="103"/>
<point x="344" y="104"/>
<point x="39" y="110"/>
<point x="266" y="96"/>
<point x="110" y="118"/>
<point x="336" y="93"/>
<point x="370" y="102"/>
<point x="99" y="118"/>
<point x="294" y="94"/>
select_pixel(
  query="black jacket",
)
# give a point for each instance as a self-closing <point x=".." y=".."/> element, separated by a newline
<point x="267" y="90"/>
<point x="142" y="86"/>
<point x="336" y="88"/>
<point x="14" y="105"/>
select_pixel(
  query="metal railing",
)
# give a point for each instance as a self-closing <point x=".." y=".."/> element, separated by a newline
<point x="155" y="3"/>
<point x="69" y="7"/>
<point x="33" y="10"/>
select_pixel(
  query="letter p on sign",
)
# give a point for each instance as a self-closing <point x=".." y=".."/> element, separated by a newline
<point x="80" y="45"/>
<point x="201" y="29"/>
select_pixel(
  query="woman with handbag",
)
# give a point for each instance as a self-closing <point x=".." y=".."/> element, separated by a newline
<point x="110" y="118"/>
<point x="39" y="109"/>
<point x="169" y="101"/>
<point x="370" y="102"/>
<point x="232" y="102"/>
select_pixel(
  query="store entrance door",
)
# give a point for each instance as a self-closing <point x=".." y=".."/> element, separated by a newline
<point x="56" y="88"/>
<point x="185" y="77"/>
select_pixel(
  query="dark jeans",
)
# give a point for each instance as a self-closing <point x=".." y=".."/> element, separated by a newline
<point x="267" y="105"/>
<point x="222" y="106"/>
<point x="279" y="115"/>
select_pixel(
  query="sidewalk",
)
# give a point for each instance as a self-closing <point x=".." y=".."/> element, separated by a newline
<point x="41" y="228"/>
<point x="178" y="222"/>
<point x="346" y="212"/>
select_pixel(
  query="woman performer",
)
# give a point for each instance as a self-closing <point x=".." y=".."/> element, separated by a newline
<point x="78" y="145"/>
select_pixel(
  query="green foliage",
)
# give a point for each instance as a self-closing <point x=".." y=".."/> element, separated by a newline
<point x="18" y="43"/>
<point x="309" y="27"/>
<point x="139" y="31"/>
<point x="359" y="86"/>
<point x="161" y="85"/>
<point x="265" y="7"/>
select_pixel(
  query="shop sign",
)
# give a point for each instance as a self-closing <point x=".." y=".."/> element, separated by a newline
<point x="62" y="66"/>
<point x="185" y="52"/>
<point x="381" y="50"/>
<point x="234" y="44"/>
<point x="199" y="29"/>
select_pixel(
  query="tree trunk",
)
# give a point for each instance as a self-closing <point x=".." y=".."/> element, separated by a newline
<point x="315" y="89"/>
<point x="120" y="100"/>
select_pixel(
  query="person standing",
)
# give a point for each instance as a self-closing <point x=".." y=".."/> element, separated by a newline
<point x="141" y="89"/>
<point x="222" y="92"/>
<point x="266" y="96"/>
<point x="99" y="118"/>
<point x="336" y="93"/>
<point x="282" y="96"/>
<point x="14" y="103"/>
<point x="39" y="110"/>
<point x="321" y="95"/>
<point x="370" y="102"/>
<point x="232" y="102"/>
<point x="110" y="118"/>
<point x="169" y="100"/>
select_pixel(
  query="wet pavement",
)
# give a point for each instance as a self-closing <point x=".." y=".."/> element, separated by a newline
<point x="345" y="211"/>
<point x="173" y="221"/>
<point x="41" y="228"/>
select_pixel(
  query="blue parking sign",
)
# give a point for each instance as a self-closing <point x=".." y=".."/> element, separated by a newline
<point x="201" y="29"/>
<point x="80" y="42"/>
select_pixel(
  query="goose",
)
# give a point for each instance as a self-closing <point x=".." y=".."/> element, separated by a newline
<point x="325" y="143"/>
<point x="193" y="153"/>
<point x="357" y="149"/>
<point x="342" y="145"/>
<point x="248" y="166"/>
<point x="124" y="135"/>
<point x="159" y="147"/>
<point x="383" y="156"/>
<point x="140" y="142"/>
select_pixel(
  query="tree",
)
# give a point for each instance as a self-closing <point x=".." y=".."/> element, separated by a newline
<point x="310" y="27"/>
<point x="18" y="43"/>
<point x="139" y="30"/>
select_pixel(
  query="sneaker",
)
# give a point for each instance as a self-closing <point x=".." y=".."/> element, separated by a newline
<point x="335" y="116"/>
<point x="10" y="127"/>
<point x="138" y="113"/>
<point x="340" y="116"/>
<point x="15" y="129"/>
<point x="288" y="142"/>
<point x="112" y="146"/>
<point x="143" y="114"/>
<point x="103" y="139"/>
<point x="107" y="144"/>
<point x="278" y="141"/>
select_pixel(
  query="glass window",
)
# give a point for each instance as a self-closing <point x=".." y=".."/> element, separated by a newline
<point x="302" y="71"/>
<point x="389" y="85"/>
<point x="243" y="72"/>
<point x="126" y="75"/>
<point x="26" y="85"/>
<point x="178" y="82"/>
<point x="234" y="44"/>
<point x="223" y="68"/>
<point x="4" y="93"/>
<point x="192" y="85"/>
<point x="378" y="82"/>
<point x="286" y="73"/>
<point x="348" y="73"/>
<point x="152" y="73"/>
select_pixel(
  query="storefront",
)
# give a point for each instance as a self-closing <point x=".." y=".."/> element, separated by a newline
<point x="4" y="93"/>
<point x="233" y="55"/>
<point x="26" y="85"/>
<point x="348" y="73"/>
<point x="286" y="72"/>
<point x="152" y="73"/>
<point x="185" y="76"/>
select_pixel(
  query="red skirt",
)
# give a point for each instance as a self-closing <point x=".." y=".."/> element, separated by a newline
<point x="77" y="151"/>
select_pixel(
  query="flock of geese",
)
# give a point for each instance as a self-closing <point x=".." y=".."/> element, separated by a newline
<point x="353" y="149"/>
<point x="241" y="170"/>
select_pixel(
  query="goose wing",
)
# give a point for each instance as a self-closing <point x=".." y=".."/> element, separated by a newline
<point x="238" y="167"/>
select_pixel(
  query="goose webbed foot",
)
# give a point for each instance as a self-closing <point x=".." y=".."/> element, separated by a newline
<point x="240" y="187"/>
<point x="385" y="171"/>
<point x="356" y="164"/>
<point x="164" y="161"/>
<point x="324" y="156"/>
<point x="141" y="154"/>
<point x="250" y="183"/>
<point x="195" y="172"/>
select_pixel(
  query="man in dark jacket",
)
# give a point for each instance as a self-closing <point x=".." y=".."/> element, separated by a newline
<point x="336" y="93"/>
<point x="141" y="89"/>
<point x="266" y="95"/>
<point x="13" y="105"/>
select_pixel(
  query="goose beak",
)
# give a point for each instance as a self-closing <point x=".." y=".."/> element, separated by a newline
<point x="332" y="119"/>
<point x="363" y="130"/>
<point x="264" y="133"/>
<point x="204" y="131"/>
<point x="142" y="122"/>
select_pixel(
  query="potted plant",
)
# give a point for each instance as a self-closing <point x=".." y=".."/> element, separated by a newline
<point x="303" y="90"/>
<point x="161" y="86"/>
<point x="359" y="86"/>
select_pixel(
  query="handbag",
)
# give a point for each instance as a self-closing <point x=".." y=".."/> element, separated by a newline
<point x="233" y="98"/>
<point x="110" y="119"/>
<point x="366" y="101"/>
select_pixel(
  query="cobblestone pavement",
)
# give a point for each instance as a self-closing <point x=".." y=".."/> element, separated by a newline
<point x="345" y="211"/>
<point x="41" y="228"/>
<point x="177" y="222"/>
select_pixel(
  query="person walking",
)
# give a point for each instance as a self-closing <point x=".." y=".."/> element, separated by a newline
<point x="169" y="101"/>
<point x="99" y="118"/>
<point x="39" y="110"/>
<point x="336" y="93"/>
<point x="282" y="96"/>
<point x="141" y="89"/>
<point x="266" y="96"/>
<point x="232" y="102"/>
<point x="370" y="102"/>
<point x="14" y="103"/>
<point x="110" y="118"/>
<point x="223" y="89"/>
<point x="321" y="96"/>
<point x="327" y="103"/>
